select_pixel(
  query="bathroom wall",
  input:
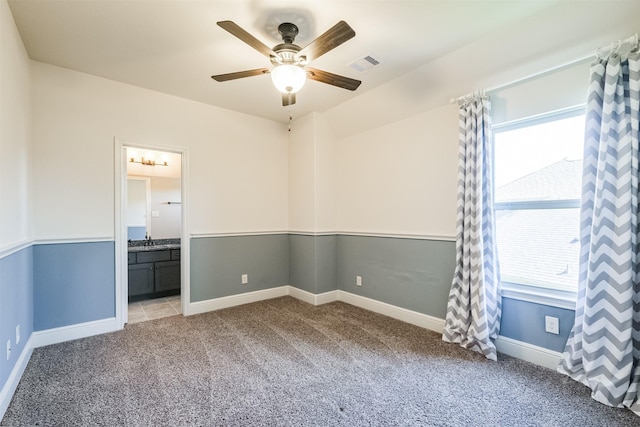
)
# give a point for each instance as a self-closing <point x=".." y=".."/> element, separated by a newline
<point x="165" y="208"/>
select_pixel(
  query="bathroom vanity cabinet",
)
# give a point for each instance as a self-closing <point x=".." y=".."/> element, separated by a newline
<point x="153" y="272"/>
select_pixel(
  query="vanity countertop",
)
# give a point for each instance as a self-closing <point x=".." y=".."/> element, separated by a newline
<point x="153" y="247"/>
<point x="156" y="245"/>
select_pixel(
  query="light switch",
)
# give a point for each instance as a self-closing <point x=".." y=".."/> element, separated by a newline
<point x="155" y="214"/>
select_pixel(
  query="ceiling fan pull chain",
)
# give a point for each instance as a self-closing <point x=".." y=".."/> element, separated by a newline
<point x="290" y="120"/>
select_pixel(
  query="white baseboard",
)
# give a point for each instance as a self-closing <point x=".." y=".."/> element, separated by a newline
<point x="14" y="377"/>
<point x="409" y="316"/>
<point x="234" y="300"/>
<point x="313" y="299"/>
<point x="531" y="353"/>
<point x="73" y="332"/>
<point x="327" y="297"/>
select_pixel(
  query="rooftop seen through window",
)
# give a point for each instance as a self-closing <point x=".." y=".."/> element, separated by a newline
<point x="537" y="179"/>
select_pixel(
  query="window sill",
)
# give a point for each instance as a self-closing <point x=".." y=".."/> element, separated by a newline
<point x="552" y="297"/>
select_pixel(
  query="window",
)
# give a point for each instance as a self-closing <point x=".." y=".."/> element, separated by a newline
<point x="537" y="179"/>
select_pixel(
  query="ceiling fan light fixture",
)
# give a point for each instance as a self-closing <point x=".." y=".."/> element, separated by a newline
<point x="288" y="78"/>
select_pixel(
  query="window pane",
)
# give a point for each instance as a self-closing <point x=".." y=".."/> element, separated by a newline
<point x="539" y="162"/>
<point x="539" y="247"/>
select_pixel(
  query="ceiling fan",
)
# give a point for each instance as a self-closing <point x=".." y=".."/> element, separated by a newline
<point x="290" y="61"/>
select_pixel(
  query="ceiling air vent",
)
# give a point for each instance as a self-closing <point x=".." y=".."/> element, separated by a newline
<point x="364" y="64"/>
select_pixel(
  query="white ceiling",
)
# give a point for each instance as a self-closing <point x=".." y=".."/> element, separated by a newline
<point x="174" y="46"/>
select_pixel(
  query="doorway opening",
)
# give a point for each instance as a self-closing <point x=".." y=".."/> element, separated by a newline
<point x="151" y="262"/>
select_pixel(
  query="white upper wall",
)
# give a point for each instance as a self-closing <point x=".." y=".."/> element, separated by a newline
<point x="401" y="178"/>
<point x="551" y="91"/>
<point x="15" y="134"/>
<point x="384" y="162"/>
<point x="237" y="164"/>
<point x="327" y="179"/>
<point x="302" y="175"/>
<point x="312" y="176"/>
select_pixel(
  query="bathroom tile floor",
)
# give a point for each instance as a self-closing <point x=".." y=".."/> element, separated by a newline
<point x="154" y="309"/>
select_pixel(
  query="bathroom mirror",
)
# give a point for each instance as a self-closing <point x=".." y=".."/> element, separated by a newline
<point x="138" y="208"/>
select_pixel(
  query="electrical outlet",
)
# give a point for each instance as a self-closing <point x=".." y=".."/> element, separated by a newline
<point x="18" y="334"/>
<point x="8" y="349"/>
<point x="358" y="280"/>
<point x="245" y="279"/>
<point x="551" y="325"/>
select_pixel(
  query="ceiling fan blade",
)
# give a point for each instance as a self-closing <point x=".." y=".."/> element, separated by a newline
<point x="334" y="37"/>
<point x="237" y="31"/>
<point x="288" y="99"/>
<point x="332" y="79"/>
<point x="240" y="74"/>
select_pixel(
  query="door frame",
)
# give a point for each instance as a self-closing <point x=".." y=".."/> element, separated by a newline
<point x="120" y="226"/>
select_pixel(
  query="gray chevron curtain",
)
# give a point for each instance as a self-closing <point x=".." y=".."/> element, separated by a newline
<point x="473" y="311"/>
<point x="603" y="349"/>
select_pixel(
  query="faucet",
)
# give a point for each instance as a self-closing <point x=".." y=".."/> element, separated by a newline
<point x="147" y="240"/>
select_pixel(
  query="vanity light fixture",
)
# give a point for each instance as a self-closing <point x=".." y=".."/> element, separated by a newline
<point x="147" y="162"/>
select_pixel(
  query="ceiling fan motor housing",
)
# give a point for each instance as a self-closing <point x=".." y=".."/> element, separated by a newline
<point x="288" y="31"/>
<point x="287" y="51"/>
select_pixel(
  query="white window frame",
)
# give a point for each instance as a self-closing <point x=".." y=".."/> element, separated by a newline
<point x="526" y="292"/>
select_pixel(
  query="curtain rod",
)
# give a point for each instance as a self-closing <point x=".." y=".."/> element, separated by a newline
<point x="615" y="46"/>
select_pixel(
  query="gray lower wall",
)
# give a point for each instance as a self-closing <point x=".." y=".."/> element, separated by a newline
<point x="217" y="264"/>
<point x="416" y="275"/>
<point x="524" y="321"/>
<point x="312" y="262"/>
<point x="16" y="306"/>
<point x="410" y="273"/>
<point x="65" y="284"/>
<point x="73" y="283"/>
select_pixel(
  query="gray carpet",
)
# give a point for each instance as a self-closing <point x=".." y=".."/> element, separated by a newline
<point x="284" y="362"/>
